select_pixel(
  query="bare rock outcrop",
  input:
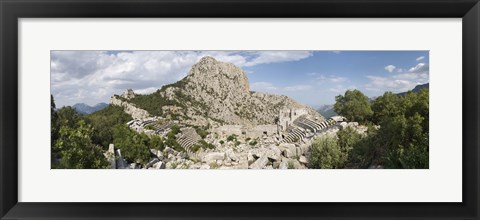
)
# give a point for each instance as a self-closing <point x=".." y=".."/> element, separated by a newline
<point x="129" y="108"/>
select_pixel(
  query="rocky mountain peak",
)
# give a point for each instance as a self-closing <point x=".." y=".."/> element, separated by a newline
<point x="214" y="75"/>
<point x="128" y="94"/>
<point x="215" y="92"/>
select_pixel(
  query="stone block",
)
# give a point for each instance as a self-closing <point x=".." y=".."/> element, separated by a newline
<point x="260" y="163"/>
<point x="283" y="165"/>
<point x="159" y="165"/>
<point x="213" y="156"/>
<point x="303" y="160"/>
<point x="152" y="162"/>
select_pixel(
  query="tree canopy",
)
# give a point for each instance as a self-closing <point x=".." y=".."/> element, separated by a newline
<point x="354" y="105"/>
<point x="401" y="139"/>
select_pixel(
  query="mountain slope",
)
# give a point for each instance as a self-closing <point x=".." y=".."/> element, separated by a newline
<point x="214" y="92"/>
<point x="327" y="111"/>
<point x="87" y="109"/>
<point x="416" y="89"/>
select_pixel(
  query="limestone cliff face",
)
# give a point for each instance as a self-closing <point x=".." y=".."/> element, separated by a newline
<point x="216" y="92"/>
<point x="130" y="109"/>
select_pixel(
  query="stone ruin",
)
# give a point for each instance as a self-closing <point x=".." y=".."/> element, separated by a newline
<point x="187" y="138"/>
<point x="292" y="125"/>
<point x="288" y="115"/>
<point x="296" y="124"/>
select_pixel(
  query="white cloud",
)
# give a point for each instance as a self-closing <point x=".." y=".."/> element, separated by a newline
<point x="146" y="90"/>
<point x="269" y="87"/>
<point x="419" y="68"/>
<point x="262" y="87"/>
<point x="340" y="89"/>
<point x="388" y="84"/>
<point x="390" y="68"/>
<point x="330" y="78"/>
<point x="297" y="88"/>
<point x="400" y="82"/>
<point x="420" y="58"/>
<point x="264" y="57"/>
<point x="93" y="76"/>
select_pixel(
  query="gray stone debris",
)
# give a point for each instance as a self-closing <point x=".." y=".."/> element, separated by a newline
<point x="303" y="160"/>
<point x="213" y="156"/>
<point x="151" y="163"/>
<point x="133" y="166"/>
<point x="159" y="165"/>
<point x="154" y="151"/>
<point x="231" y="155"/>
<point x="260" y="163"/>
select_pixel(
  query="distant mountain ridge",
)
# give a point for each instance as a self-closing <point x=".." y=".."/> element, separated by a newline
<point x="327" y="111"/>
<point x="416" y="89"/>
<point x="87" y="109"/>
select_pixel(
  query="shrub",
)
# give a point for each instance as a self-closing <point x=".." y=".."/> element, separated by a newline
<point x="232" y="137"/>
<point x="76" y="150"/>
<point x="103" y="122"/>
<point x="200" y="131"/>
<point x="326" y="154"/>
<point x="156" y="142"/>
<point x="290" y="165"/>
<point x="134" y="146"/>
<point x="348" y="138"/>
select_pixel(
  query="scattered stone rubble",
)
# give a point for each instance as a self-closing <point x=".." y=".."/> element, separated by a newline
<point x="236" y="154"/>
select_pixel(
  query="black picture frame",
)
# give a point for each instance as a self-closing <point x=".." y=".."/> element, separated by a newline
<point x="12" y="10"/>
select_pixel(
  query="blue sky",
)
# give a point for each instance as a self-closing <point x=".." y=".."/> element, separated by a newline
<point x="311" y="77"/>
<point x="316" y="80"/>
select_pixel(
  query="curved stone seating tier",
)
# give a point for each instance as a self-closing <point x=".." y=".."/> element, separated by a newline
<point x="305" y="126"/>
<point x="295" y="133"/>
<point x="188" y="138"/>
<point x="163" y="127"/>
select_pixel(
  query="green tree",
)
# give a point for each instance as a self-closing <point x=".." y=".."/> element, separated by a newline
<point x="354" y="105"/>
<point x="401" y="140"/>
<point x="406" y="141"/>
<point x="103" y="122"/>
<point x="134" y="146"/>
<point x="76" y="149"/>
<point x="418" y="103"/>
<point x="348" y="138"/>
<point x="67" y="116"/>
<point x="156" y="142"/>
<point x="386" y="106"/>
<point x="325" y="153"/>
<point x="53" y="130"/>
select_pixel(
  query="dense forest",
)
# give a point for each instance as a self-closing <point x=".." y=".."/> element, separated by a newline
<point x="397" y="135"/>
<point x="79" y="141"/>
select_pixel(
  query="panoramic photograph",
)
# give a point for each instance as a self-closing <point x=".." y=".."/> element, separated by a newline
<point x="239" y="109"/>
